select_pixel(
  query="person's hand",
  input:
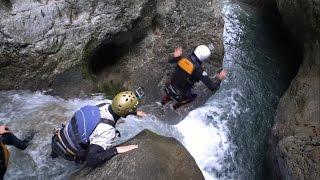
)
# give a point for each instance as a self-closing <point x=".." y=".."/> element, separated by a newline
<point x="4" y="129"/>
<point x="222" y="74"/>
<point x="123" y="149"/>
<point x="177" y="52"/>
<point x="141" y="113"/>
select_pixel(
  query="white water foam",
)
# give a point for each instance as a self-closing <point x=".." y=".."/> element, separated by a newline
<point x="205" y="135"/>
<point x="206" y="140"/>
<point x="22" y="111"/>
<point x="207" y="143"/>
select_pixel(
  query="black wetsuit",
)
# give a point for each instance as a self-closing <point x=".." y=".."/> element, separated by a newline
<point x="9" y="139"/>
<point x="181" y="82"/>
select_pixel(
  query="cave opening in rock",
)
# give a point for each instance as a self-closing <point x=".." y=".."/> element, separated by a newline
<point x="112" y="50"/>
<point x="6" y="5"/>
<point x="106" y="55"/>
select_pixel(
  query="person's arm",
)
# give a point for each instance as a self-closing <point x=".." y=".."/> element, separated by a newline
<point x="176" y="55"/>
<point x="138" y="113"/>
<point x="97" y="155"/>
<point x="174" y="60"/>
<point x="11" y="139"/>
<point x="213" y="85"/>
<point x="100" y="149"/>
<point x="141" y="113"/>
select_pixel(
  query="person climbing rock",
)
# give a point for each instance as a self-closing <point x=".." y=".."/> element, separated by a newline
<point x="188" y="71"/>
<point x="89" y="136"/>
<point x="8" y="138"/>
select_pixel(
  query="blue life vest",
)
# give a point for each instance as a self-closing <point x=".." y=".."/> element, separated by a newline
<point x="81" y="126"/>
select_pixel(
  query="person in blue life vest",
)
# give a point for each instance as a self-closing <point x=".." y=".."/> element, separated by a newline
<point x="89" y="136"/>
<point x="188" y="71"/>
<point x="8" y="138"/>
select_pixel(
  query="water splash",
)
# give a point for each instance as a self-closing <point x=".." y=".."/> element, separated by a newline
<point x="23" y="111"/>
<point x="205" y="134"/>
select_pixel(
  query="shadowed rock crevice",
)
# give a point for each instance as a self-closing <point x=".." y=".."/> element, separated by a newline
<point x="110" y="52"/>
<point x="5" y="5"/>
<point x="266" y="6"/>
<point x="106" y="55"/>
<point x="295" y="135"/>
<point x="287" y="42"/>
<point x="115" y="46"/>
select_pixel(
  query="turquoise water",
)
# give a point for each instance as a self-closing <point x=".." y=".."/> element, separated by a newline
<point x="228" y="136"/>
<point x="263" y="60"/>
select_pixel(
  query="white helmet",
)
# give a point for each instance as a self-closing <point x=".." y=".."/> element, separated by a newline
<point x="202" y="52"/>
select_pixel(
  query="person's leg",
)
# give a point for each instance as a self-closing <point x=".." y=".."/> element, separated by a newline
<point x="55" y="149"/>
<point x="2" y="172"/>
<point x="3" y="162"/>
<point x="166" y="98"/>
<point x="188" y="98"/>
<point x="181" y="103"/>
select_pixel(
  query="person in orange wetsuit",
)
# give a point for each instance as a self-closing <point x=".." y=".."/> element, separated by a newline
<point x="189" y="71"/>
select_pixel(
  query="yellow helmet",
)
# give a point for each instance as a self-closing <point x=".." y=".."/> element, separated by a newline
<point x="124" y="103"/>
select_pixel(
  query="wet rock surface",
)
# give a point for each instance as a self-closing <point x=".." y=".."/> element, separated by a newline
<point x="42" y="39"/>
<point x="296" y="134"/>
<point x="156" y="158"/>
<point x="295" y="138"/>
<point x="74" y="47"/>
<point x="303" y="18"/>
<point x="178" y="23"/>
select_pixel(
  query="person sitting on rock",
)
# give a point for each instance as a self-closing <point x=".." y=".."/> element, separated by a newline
<point x="89" y="136"/>
<point x="8" y="138"/>
<point x="187" y="72"/>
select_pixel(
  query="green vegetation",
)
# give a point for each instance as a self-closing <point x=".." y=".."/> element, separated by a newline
<point x="85" y="71"/>
<point x="111" y="88"/>
<point x="86" y="57"/>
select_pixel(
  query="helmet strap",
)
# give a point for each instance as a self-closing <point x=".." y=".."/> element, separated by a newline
<point x="115" y="116"/>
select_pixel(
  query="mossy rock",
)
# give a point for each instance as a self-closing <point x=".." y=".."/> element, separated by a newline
<point x="112" y="88"/>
